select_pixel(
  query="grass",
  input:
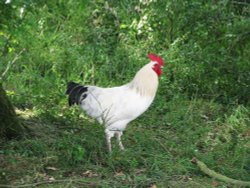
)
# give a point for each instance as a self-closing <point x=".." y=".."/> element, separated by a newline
<point x="105" y="43"/>
<point x="69" y="149"/>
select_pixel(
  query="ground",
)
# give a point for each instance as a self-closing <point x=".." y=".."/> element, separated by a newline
<point x="67" y="149"/>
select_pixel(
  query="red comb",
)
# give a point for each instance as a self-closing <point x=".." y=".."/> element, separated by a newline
<point x="156" y="58"/>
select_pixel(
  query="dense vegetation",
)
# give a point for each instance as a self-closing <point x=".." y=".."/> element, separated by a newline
<point x="202" y="106"/>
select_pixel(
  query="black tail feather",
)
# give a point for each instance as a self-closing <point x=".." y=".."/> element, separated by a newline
<point x="81" y="94"/>
<point x="70" y="86"/>
<point x="76" y="93"/>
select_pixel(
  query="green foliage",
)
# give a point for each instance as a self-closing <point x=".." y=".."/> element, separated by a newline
<point x="205" y="45"/>
<point x="202" y="106"/>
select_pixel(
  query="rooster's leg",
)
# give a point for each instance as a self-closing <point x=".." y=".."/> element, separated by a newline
<point x="118" y="137"/>
<point x="109" y="135"/>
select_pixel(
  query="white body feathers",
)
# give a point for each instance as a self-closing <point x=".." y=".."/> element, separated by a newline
<point x="115" y="107"/>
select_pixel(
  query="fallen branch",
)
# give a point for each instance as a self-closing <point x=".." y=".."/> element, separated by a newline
<point x="11" y="63"/>
<point x="78" y="181"/>
<point x="203" y="167"/>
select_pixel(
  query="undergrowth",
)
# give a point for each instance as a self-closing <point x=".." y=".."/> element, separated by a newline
<point x="159" y="147"/>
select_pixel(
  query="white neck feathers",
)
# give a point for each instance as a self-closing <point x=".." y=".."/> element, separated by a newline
<point x="145" y="81"/>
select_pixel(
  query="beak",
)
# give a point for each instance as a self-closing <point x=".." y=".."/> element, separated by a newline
<point x="162" y="67"/>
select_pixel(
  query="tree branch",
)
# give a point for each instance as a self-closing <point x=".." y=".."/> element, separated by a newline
<point x="11" y="63"/>
<point x="79" y="181"/>
<point x="241" y="3"/>
<point x="203" y="167"/>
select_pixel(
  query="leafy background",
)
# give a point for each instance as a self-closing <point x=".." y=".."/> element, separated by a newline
<point x="202" y="105"/>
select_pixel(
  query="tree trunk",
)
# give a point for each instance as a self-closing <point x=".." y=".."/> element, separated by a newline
<point x="10" y="126"/>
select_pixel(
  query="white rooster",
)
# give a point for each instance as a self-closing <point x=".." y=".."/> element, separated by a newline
<point x="115" y="107"/>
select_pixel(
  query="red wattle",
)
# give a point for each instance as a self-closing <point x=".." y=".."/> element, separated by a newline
<point x="157" y="70"/>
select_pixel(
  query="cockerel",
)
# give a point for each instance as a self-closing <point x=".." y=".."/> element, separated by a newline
<point x="115" y="107"/>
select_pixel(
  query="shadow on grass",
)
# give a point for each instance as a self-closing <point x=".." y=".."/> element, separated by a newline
<point x="66" y="145"/>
